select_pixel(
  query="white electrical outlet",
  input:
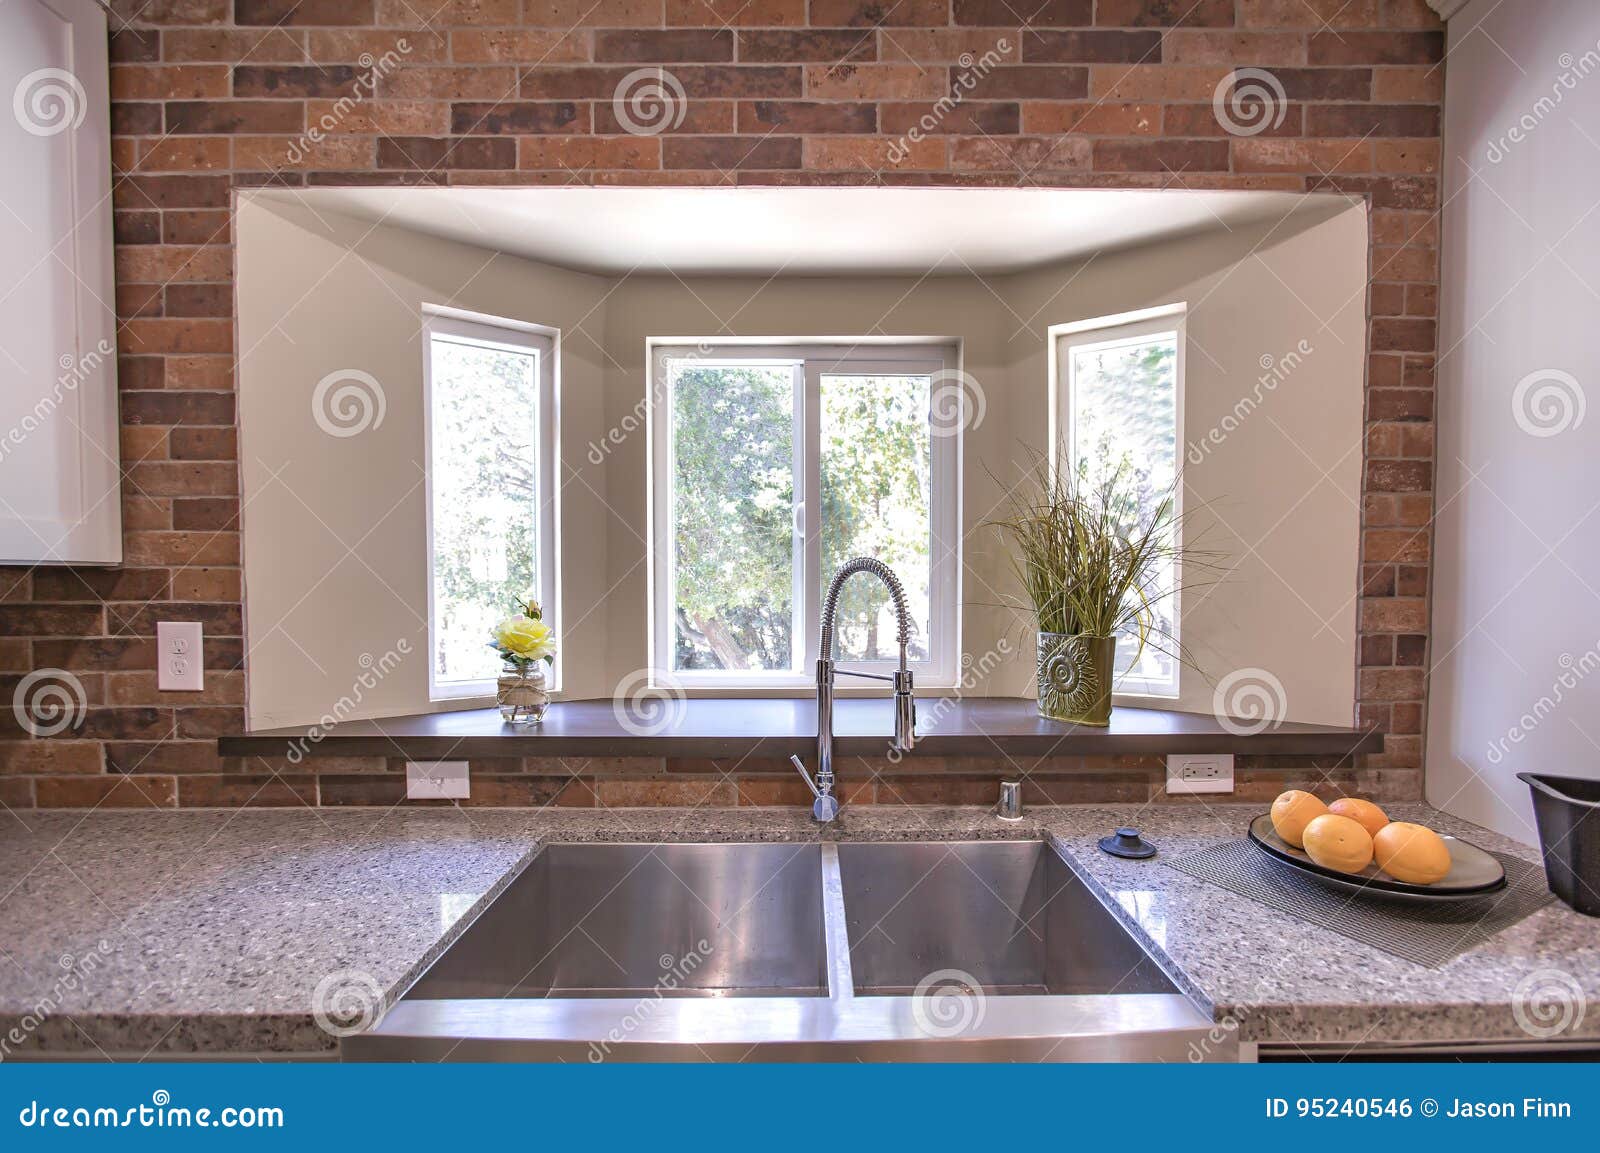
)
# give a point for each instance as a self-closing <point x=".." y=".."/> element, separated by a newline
<point x="180" y="657"/>
<point x="437" y="780"/>
<point x="1197" y="773"/>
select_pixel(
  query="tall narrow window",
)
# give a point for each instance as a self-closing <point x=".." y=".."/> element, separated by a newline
<point x="772" y="467"/>
<point x="877" y="500"/>
<point x="733" y="544"/>
<point x="491" y="497"/>
<point x="1120" y="398"/>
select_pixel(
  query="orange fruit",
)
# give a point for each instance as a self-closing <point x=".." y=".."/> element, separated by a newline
<point x="1364" y="813"/>
<point x="1411" y="853"/>
<point x="1292" y="812"/>
<point x="1336" y="842"/>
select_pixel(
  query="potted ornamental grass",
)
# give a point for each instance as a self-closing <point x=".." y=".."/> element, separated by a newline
<point x="1094" y="559"/>
<point x="527" y="647"/>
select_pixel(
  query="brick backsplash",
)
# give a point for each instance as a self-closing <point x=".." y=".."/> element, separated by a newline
<point x="636" y="781"/>
<point x="210" y="96"/>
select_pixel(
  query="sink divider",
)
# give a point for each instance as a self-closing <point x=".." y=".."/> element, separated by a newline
<point x="841" y="981"/>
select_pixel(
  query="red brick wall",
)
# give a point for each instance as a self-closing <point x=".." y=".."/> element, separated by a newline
<point x="210" y="96"/>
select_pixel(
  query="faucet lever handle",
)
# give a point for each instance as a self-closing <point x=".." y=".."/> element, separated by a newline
<point x="800" y="768"/>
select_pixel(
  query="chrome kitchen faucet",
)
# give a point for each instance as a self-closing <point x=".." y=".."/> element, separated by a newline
<point x="826" y="805"/>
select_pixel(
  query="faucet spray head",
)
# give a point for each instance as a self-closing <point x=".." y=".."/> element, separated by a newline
<point x="905" y="712"/>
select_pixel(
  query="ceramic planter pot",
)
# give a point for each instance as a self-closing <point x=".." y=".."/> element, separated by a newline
<point x="1075" y="677"/>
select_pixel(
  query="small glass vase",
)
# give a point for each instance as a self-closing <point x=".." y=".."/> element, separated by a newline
<point x="522" y="693"/>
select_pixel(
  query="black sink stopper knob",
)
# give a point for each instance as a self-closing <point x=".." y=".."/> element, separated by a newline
<point x="1128" y="843"/>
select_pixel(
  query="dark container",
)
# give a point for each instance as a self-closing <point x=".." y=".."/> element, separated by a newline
<point x="1568" y="812"/>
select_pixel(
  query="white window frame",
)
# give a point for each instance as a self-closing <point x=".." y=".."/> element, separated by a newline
<point x="1104" y="332"/>
<point x="810" y="361"/>
<point x="61" y="500"/>
<point x="514" y="335"/>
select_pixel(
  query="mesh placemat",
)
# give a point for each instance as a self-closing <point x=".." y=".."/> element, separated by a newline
<point x="1427" y="934"/>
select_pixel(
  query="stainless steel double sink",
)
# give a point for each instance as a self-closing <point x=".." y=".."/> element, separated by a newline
<point x="851" y="951"/>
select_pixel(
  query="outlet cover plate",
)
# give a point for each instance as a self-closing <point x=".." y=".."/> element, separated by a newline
<point x="1199" y="773"/>
<point x="180" y="657"/>
<point x="437" y="781"/>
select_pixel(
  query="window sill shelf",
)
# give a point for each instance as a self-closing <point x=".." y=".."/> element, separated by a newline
<point x="768" y="727"/>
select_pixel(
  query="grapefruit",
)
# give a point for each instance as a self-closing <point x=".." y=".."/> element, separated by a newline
<point x="1364" y="813"/>
<point x="1412" y="853"/>
<point x="1340" y="843"/>
<point x="1292" y="812"/>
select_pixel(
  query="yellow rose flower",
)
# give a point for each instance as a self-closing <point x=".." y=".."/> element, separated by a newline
<point x="523" y="637"/>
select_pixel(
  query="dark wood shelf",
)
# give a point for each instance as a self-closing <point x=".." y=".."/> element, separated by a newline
<point x="974" y="727"/>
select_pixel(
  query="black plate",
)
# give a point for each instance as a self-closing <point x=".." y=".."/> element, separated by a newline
<point x="1473" y="872"/>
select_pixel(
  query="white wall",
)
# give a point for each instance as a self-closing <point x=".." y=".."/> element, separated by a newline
<point x="1272" y="469"/>
<point x="318" y="292"/>
<point x="335" y="527"/>
<point x="1516" y="595"/>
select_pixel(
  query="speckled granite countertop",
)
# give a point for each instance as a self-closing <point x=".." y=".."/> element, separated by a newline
<point x="164" y="933"/>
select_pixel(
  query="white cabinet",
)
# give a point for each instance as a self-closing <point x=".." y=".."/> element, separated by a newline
<point x="59" y="471"/>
